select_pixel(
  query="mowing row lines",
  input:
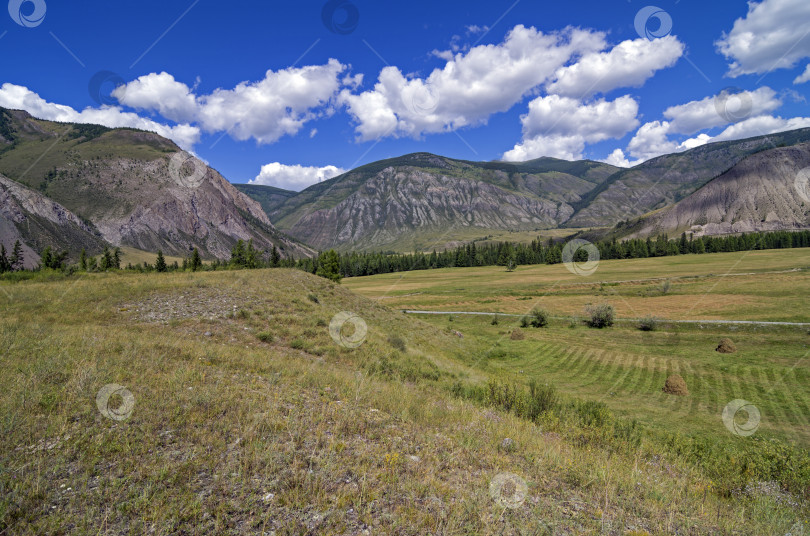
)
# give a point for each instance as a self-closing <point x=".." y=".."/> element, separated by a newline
<point x="782" y="395"/>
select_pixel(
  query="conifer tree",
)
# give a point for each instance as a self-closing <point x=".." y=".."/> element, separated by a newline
<point x="251" y="255"/>
<point x="275" y="257"/>
<point x="17" y="260"/>
<point x="160" y="262"/>
<point x="5" y="266"/>
<point x="329" y="266"/>
<point x="195" y="263"/>
<point x="238" y="254"/>
<point x="45" y="259"/>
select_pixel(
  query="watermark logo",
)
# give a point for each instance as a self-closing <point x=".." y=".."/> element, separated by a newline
<point x="802" y="184"/>
<point x="22" y="14"/>
<point x="187" y="170"/>
<point x="422" y="99"/>
<point x="573" y="252"/>
<point x="508" y="490"/>
<point x="737" y="410"/>
<point x="653" y="23"/>
<point x="102" y="85"/>
<point x="338" y="333"/>
<point x="115" y="402"/>
<point x="733" y="104"/>
<point x="340" y="16"/>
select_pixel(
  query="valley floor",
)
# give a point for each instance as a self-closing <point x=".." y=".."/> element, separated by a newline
<point x="235" y="410"/>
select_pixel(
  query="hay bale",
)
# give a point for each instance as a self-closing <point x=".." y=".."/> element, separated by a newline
<point x="726" y="346"/>
<point x="675" y="386"/>
<point x="517" y="335"/>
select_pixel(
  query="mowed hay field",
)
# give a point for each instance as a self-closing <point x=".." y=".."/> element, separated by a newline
<point x="757" y="285"/>
<point x="622" y="366"/>
<point x="236" y="412"/>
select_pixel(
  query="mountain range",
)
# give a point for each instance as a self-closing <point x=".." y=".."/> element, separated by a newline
<point x="423" y="201"/>
<point x="74" y="187"/>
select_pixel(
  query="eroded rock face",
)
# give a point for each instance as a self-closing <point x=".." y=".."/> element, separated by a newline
<point x="403" y="199"/>
<point x="176" y="217"/>
<point x="120" y="185"/>
<point x="758" y="194"/>
<point x="665" y="180"/>
<point x="37" y="222"/>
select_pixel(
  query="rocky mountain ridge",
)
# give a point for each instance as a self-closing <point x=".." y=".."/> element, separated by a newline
<point x="135" y="188"/>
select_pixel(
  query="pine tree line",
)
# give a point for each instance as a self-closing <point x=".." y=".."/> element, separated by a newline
<point x="509" y="254"/>
<point x="334" y="266"/>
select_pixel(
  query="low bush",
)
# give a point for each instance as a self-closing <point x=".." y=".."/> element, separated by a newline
<point x="600" y="316"/>
<point x="398" y="343"/>
<point x="539" y="318"/>
<point x="648" y="323"/>
<point x="265" y="336"/>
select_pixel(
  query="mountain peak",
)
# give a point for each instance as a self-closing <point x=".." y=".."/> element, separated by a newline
<point x="135" y="187"/>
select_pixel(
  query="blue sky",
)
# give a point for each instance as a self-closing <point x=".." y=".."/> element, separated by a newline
<point x="329" y="86"/>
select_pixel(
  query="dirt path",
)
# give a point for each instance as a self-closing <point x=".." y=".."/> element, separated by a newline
<point x="746" y="322"/>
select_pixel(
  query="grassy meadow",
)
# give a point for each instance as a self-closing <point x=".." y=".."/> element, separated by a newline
<point x="238" y="412"/>
<point x="767" y="285"/>
<point x="623" y="366"/>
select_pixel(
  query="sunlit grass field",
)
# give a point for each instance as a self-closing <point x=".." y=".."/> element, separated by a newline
<point x="249" y="418"/>
<point x="624" y="366"/>
<point x="758" y="285"/>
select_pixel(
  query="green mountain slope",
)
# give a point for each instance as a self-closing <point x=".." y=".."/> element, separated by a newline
<point x="269" y="197"/>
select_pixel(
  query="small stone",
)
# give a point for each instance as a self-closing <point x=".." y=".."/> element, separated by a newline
<point x="507" y="444"/>
<point x="207" y="333"/>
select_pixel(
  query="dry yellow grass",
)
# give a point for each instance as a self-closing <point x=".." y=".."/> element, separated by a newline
<point x="230" y="434"/>
<point x="758" y="285"/>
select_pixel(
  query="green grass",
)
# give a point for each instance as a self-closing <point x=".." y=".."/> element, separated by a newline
<point x="249" y="418"/>
<point x="130" y="255"/>
<point x="624" y="366"/>
<point x="714" y="286"/>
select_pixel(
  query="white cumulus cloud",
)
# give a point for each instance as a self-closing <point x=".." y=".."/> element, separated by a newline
<point x="561" y="126"/>
<point x="22" y="98"/>
<point x="760" y="126"/>
<point x="618" y="158"/>
<point x="294" y="177"/>
<point x="804" y="77"/>
<point x="280" y="104"/>
<point x="652" y="139"/>
<point x="772" y="35"/>
<point x="628" y="64"/>
<point x="721" y="109"/>
<point x="471" y="87"/>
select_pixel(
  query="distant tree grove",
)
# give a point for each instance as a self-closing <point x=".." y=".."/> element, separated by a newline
<point x="509" y="254"/>
<point x="333" y="265"/>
